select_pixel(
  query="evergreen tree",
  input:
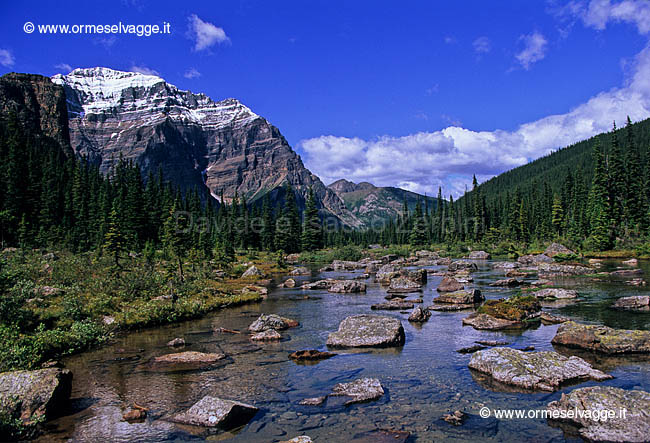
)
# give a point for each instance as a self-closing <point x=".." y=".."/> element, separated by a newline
<point x="418" y="236"/>
<point x="599" y="210"/>
<point x="557" y="216"/>
<point x="312" y="234"/>
<point x="114" y="239"/>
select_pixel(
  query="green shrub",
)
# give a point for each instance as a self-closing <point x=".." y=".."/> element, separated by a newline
<point x="563" y="258"/>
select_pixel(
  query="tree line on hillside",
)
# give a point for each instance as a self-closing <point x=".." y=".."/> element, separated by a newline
<point x="49" y="201"/>
<point x="599" y="208"/>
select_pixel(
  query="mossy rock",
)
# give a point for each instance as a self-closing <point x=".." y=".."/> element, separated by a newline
<point x="517" y="308"/>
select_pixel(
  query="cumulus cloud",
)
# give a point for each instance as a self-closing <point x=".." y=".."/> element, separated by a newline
<point x="534" y="49"/>
<point x="63" y="67"/>
<point x="482" y="45"/>
<point x="192" y="73"/>
<point x="144" y="70"/>
<point x="421" y="162"/>
<point x="6" y="58"/>
<point x="205" y="34"/>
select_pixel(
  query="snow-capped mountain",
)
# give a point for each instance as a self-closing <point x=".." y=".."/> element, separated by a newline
<point x="196" y="141"/>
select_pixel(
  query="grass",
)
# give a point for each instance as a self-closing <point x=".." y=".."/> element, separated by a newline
<point x="49" y="309"/>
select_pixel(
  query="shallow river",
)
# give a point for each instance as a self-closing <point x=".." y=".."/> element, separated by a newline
<point x="423" y="380"/>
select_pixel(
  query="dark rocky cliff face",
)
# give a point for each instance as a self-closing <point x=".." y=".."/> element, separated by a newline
<point x="196" y="141"/>
<point x="39" y="106"/>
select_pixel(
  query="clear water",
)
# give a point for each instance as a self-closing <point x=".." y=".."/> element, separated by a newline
<point x="423" y="380"/>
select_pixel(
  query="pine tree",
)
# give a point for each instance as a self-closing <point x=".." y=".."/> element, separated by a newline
<point x="312" y="234"/>
<point x="114" y="238"/>
<point x="418" y="235"/>
<point x="557" y="216"/>
<point x="268" y="225"/>
<point x="616" y="186"/>
<point x="175" y="232"/>
<point x="599" y="212"/>
<point x="634" y="198"/>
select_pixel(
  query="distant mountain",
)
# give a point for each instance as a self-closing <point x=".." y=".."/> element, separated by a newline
<point x="197" y="142"/>
<point x="372" y="204"/>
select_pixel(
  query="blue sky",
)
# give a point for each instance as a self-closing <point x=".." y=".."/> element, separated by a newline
<point x="368" y="90"/>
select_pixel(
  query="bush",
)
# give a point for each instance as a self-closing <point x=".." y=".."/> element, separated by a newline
<point x="563" y="258"/>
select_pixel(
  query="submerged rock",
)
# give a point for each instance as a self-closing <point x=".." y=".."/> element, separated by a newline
<point x="419" y="315"/>
<point x="456" y="418"/>
<point x="583" y="408"/>
<point x="602" y="338"/>
<point x="289" y="283"/>
<point x="189" y="360"/>
<point x="631" y="262"/>
<point x="449" y="284"/>
<point x="470" y="349"/>
<point x="543" y="370"/>
<point x="299" y="439"/>
<point x="310" y="355"/>
<point x="272" y="321"/>
<point x="492" y="342"/>
<point x="534" y="259"/>
<point x="365" y="330"/>
<point x="626" y="273"/>
<point x="313" y="401"/>
<point x="347" y="286"/>
<point x="320" y="284"/>
<point x="555" y="269"/>
<point x="490" y="323"/>
<point x="216" y="412"/>
<point x="508" y="283"/>
<point x="30" y="396"/>
<point x="505" y="265"/>
<point x="555" y="293"/>
<point x="634" y="303"/>
<point x="267" y="335"/>
<point x="361" y="390"/>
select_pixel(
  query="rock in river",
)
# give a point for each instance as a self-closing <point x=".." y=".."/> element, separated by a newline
<point x="30" y="395"/>
<point x="552" y="319"/>
<point x="626" y="273"/>
<point x="360" y="331"/>
<point x="419" y="315"/>
<point x="301" y="270"/>
<point x="579" y="405"/>
<point x="175" y="343"/>
<point x="507" y="283"/>
<point x="361" y="390"/>
<point x="489" y="323"/>
<point x="450" y="284"/>
<point x="267" y="335"/>
<point x="479" y="255"/>
<point x="184" y="361"/>
<point x="602" y="338"/>
<point x="634" y="303"/>
<point x="272" y="321"/>
<point x="461" y="297"/>
<point x="555" y="293"/>
<point x="213" y="412"/>
<point x="393" y="305"/>
<point x="556" y="248"/>
<point x="462" y="264"/>
<point x="347" y="286"/>
<point x="543" y="370"/>
<point x="310" y="355"/>
<point x="404" y="285"/>
<point x="510" y="313"/>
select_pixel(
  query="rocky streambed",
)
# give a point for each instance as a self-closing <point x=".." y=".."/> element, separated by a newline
<point x="400" y="388"/>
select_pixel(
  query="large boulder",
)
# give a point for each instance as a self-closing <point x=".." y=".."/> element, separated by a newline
<point x="386" y="273"/>
<point x="633" y="303"/>
<point x="31" y="396"/>
<point x="347" y="286"/>
<point x="450" y="284"/>
<point x="578" y="407"/>
<point x="543" y="370"/>
<point x="272" y="321"/>
<point x="507" y="283"/>
<point x="489" y="323"/>
<point x="555" y="293"/>
<point x="556" y="248"/>
<point x="602" y="338"/>
<point x="510" y="313"/>
<point x="626" y="273"/>
<point x="404" y="285"/>
<point x="320" y="284"/>
<point x="361" y="390"/>
<point x="216" y="412"/>
<point x="505" y="265"/>
<point x="267" y="335"/>
<point x="479" y="255"/>
<point x="362" y="331"/>
<point x="253" y="271"/>
<point x="343" y="265"/>
<point x="460" y="297"/>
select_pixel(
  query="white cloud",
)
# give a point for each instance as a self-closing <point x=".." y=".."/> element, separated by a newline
<point x="449" y="39"/>
<point x="192" y="73"/>
<point x="599" y="12"/>
<point x="144" y="70"/>
<point x="63" y="67"/>
<point x="6" y="58"/>
<point x="482" y="45"/>
<point x="205" y="34"/>
<point x="535" y="46"/>
<point x="449" y="157"/>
